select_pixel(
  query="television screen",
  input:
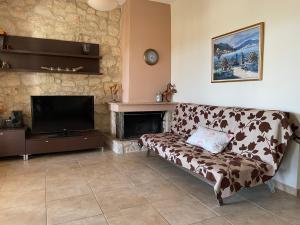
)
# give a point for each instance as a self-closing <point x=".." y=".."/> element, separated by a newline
<point x="51" y="114"/>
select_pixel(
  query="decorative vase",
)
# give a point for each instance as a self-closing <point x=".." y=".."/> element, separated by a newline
<point x="86" y="48"/>
<point x="159" y="97"/>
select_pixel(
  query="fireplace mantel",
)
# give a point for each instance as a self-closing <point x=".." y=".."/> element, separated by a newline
<point x="141" y="107"/>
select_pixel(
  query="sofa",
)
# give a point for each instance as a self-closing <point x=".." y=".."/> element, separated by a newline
<point x="251" y="158"/>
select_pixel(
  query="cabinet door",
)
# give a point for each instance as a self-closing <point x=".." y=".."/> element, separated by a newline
<point x="62" y="144"/>
<point x="12" y="142"/>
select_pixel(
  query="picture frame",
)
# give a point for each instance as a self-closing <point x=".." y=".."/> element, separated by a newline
<point x="238" y="55"/>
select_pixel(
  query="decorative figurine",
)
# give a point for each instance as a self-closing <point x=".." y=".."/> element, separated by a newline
<point x="2" y="36"/>
<point x="5" y="65"/>
<point x="168" y="94"/>
<point x="76" y="69"/>
<point x="2" y="32"/>
<point x="1" y="41"/>
<point x="115" y="92"/>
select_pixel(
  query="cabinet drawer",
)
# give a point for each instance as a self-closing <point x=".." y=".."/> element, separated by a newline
<point x="37" y="146"/>
<point x="12" y="142"/>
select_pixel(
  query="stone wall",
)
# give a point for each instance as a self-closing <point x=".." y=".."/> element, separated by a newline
<point x="70" y="20"/>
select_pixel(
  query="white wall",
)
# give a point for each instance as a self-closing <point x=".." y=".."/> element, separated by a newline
<point x="195" y="22"/>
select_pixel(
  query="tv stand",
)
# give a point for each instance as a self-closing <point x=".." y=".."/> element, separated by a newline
<point x="73" y="141"/>
<point x="12" y="142"/>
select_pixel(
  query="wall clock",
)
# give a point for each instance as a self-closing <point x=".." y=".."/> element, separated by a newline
<point x="151" y="57"/>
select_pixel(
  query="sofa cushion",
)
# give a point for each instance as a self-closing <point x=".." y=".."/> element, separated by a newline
<point x="258" y="134"/>
<point x="211" y="140"/>
<point x="227" y="171"/>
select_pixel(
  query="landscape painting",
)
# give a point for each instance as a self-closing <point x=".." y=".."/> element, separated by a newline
<point x="238" y="55"/>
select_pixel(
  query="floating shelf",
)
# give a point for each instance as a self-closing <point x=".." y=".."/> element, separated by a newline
<point x="46" y="71"/>
<point x="48" y="54"/>
<point x="26" y="54"/>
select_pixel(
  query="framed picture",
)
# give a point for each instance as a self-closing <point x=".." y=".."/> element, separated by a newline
<point x="238" y="55"/>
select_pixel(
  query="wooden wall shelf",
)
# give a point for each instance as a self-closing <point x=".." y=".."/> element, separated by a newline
<point x="46" y="71"/>
<point x="48" y="54"/>
<point x="26" y="54"/>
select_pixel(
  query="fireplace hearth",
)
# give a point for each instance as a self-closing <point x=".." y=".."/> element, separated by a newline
<point x="131" y="125"/>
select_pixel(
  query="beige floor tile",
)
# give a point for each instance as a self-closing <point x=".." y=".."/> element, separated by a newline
<point x="26" y="170"/>
<point x="243" y="208"/>
<point x="277" y="201"/>
<point x="214" y="221"/>
<point x="290" y="216"/>
<point x="199" y="189"/>
<point x="157" y="163"/>
<point x="2" y="174"/>
<point x="187" y="181"/>
<point x="183" y="212"/>
<point x="69" y="209"/>
<point x="66" y="183"/>
<point x="96" y="220"/>
<point x="146" y="176"/>
<point x="171" y="171"/>
<point x="256" y="220"/>
<point x="24" y="183"/>
<point x="110" y="182"/>
<point x="66" y="173"/>
<point x="92" y="172"/>
<point x="116" y="200"/>
<point x="204" y="193"/>
<point x="18" y="199"/>
<point x="94" y="160"/>
<point x="141" y="215"/>
<point x="58" y="157"/>
<point x="160" y="191"/>
<point x="66" y="190"/>
<point x="26" y="215"/>
<point x="254" y="193"/>
<point x="125" y="185"/>
<point x="129" y="167"/>
<point x="59" y="166"/>
<point x="64" y="180"/>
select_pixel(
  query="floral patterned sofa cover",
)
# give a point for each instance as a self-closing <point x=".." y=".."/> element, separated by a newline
<point x="251" y="158"/>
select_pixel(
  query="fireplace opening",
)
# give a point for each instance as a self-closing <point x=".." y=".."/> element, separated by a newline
<point x="134" y="124"/>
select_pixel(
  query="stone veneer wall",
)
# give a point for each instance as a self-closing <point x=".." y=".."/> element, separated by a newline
<point x="70" y="20"/>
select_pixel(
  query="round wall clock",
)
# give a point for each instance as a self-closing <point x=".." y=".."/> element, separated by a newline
<point x="151" y="57"/>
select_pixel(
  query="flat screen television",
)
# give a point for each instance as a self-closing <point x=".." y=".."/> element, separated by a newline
<point x="54" y="114"/>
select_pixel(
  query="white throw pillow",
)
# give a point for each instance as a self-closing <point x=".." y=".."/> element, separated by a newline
<point x="211" y="140"/>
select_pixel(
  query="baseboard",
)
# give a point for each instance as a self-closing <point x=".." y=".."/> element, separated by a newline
<point x="286" y="188"/>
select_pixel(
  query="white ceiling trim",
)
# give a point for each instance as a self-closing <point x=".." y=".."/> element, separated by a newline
<point x="161" y="1"/>
<point x="107" y="5"/>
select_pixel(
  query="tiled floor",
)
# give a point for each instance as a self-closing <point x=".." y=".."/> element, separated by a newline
<point x="95" y="188"/>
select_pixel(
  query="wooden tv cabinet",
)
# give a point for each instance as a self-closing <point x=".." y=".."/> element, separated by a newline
<point x="12" y="142"/>
<point x="45" y="143"/>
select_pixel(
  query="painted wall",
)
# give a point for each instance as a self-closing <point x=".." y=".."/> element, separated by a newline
<point x="145" y="24"/>
<point x="193" y="26"/>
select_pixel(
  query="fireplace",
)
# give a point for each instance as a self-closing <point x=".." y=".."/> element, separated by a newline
<point x="131" y="125"/>
<point x="131" y="120"/>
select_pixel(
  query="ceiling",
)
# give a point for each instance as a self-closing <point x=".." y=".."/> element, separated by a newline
<point x="162" y="1"/>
